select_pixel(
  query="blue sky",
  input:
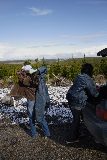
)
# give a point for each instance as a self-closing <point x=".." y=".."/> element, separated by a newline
<point x="31" y="29"/>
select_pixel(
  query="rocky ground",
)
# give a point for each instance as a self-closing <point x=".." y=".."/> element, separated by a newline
<point x="16" y="143"/>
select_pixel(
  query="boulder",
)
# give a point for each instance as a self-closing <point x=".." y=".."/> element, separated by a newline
<point x="7" y="100"/>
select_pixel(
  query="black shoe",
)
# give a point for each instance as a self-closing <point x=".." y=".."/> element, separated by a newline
<point x="72" y="141"/>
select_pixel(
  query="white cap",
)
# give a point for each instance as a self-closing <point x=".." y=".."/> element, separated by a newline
<point x="29" y="68"/>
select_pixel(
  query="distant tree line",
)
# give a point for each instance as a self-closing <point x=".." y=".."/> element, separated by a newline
<point x="63" y="68"/>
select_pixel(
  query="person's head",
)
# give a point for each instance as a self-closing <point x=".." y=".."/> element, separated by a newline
<point x="87" y="68"/>
<point x="29" y="69"/>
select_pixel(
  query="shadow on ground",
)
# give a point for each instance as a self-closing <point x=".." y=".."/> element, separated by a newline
<point x="61" y="133"/>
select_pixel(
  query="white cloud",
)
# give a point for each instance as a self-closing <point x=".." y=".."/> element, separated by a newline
<point x="10" y="52"/>
<point x="5" y="49"/>
<point x="52" y="44"/>
<point x="40" y="12"/>
<point x="86" y="37"/>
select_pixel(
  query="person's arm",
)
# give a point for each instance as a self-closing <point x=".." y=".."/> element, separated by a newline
<point x="91" y="88"/>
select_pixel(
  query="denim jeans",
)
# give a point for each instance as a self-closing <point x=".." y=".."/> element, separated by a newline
<point x="32" y="117"/>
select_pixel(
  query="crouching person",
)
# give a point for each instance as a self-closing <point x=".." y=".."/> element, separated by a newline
<point x="77" y="97"/>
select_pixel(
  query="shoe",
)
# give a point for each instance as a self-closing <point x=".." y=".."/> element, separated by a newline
<point x="46" y="137"/>
<point x="96" y="141"/>
<point x="34" y="135"/>
<point x="72" y="141"/>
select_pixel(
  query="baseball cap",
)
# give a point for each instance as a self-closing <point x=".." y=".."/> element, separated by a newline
<point x="29" y="69"/>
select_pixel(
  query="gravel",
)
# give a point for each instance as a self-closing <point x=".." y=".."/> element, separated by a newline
<point x="16" y="143"/>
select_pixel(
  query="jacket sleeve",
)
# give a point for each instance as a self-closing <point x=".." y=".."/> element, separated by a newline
<point x="91" y="87"/>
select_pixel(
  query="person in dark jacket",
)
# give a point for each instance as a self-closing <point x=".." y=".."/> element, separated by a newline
<point x="78" y="95"/>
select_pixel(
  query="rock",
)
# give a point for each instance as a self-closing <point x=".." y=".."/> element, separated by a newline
<point x="7" y="100"/>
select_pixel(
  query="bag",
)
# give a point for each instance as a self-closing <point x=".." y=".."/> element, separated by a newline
<point x="101" y="110"/>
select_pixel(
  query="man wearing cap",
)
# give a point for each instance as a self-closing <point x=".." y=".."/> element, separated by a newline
<point x="28" y="86"/>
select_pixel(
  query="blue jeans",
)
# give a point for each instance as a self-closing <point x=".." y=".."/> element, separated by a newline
<point x="40" y="119"/>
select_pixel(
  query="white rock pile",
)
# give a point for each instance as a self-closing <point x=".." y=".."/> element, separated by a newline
<point x="58" y="112"/>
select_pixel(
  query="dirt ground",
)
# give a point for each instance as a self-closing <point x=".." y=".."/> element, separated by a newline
<point x="16" y="144"/>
